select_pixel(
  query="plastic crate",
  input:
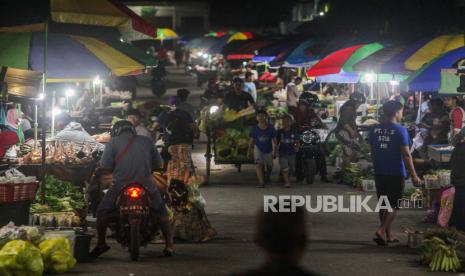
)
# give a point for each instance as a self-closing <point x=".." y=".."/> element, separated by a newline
<point x="368" y="185"/>
<point x="18" y="192"/>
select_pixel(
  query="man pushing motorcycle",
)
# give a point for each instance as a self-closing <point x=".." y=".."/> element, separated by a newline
<point x="131" y="159"/>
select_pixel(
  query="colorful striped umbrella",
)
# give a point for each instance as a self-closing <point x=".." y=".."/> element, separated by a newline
<point x="434" y="48"/>
<point x="428" y="78"/>
<point x="109" y="13"/>
<point x="69" y="58"/>
<point x="342" y="61"/>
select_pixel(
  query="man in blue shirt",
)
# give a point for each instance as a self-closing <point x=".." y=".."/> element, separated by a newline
<point x="390" y="151"/>
<point x="263" y="144"/>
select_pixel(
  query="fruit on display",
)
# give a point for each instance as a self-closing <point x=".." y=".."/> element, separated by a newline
<point x="19" y="257"/>
<point x="230" y="115"/>
<point x="61" y="153"/>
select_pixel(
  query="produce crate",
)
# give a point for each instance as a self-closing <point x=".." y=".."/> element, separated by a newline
<point x="441" y="155"/>
<point x="18" y="191"/>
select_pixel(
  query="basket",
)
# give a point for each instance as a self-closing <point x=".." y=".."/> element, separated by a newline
<point x="18" y="191"/>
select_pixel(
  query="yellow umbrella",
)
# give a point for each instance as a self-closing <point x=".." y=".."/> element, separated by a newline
<point x="240" y="36"/>
<point x="165" y="33"/>
<point x="433" y="49"/>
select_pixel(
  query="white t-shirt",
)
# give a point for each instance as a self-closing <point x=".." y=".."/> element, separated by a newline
<point x="292" y="94"/>
<point x="249" y="87"/>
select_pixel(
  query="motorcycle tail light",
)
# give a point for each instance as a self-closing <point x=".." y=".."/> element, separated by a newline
<point x="134" y="192"/>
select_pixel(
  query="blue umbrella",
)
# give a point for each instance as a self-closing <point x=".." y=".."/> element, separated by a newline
<point x="268" y="54"/>
<point x="300" y="57"/>
<point x="428" y="78"/>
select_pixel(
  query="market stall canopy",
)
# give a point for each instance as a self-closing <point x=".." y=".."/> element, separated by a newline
<point x="218" y="46"/>
<point x="375" y="62"/>
<point x="241" y="36"/>
<point x="428" y="78"/>
<point x="433" y="49"/>
<point x="396" y="64"/>
<point x="70" y="58"/>
<point x="281" y="48"/>
<point x="201" y="43"/>
<point x="302" y="56"/>
<point x="245" y="49"/>
<point x="343" y="60"/>
<point x="23" y="83"/>
<point x="451" y="84"/>
<point x="109" y="13"/>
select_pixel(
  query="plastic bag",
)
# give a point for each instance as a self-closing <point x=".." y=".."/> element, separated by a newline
<point x="14" y="173"/>
<point x="57" y="255"/>
<point x="20" y="257"/>
<point x="447" y="202"/>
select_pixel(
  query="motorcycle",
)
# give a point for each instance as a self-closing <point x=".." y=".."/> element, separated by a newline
<point x="309" y="153"/>
<point x="135" y="226"/>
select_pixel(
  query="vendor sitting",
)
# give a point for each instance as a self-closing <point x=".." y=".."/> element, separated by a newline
<point x="7" y="139"/>
<point x="71" y="131"/>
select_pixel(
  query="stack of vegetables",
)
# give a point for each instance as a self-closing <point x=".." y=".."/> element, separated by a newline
<point x="438" y="250"/>
<point x="354" y="174"/>
<point x="232" y="144"/>
<point x="25" y="251"/>
<point x="63" y="201"/>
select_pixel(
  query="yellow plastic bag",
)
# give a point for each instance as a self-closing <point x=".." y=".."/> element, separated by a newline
<point x="20" y="257"/>
<point x="57" y="255"/>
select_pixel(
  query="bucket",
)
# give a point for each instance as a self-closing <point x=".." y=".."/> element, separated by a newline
<point x="82" y="246"/>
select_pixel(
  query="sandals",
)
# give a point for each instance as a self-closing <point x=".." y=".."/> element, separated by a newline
<point x="168" y="252"/>
<point x="379" y="240"/>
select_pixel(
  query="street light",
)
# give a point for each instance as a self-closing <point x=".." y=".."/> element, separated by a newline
<point x="394" y="83"/>
<point x="97" y="80"/>
<point x="370" y="77"/>
<point x="56" y="111"/>
<point x="213" y="109"/>
<point x="69" y="92"/>
<point x="41" y="97"/>
<point x="322" y="13"/>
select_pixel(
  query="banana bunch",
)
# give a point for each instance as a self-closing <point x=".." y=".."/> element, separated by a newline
<point x="439" y="255"/>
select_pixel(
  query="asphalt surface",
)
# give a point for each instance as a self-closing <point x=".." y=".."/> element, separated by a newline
<point x="340" y="243"/>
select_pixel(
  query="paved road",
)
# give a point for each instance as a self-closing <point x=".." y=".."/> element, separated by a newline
<point x="340" y="243"/>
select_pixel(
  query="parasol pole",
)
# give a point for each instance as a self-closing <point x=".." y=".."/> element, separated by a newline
<point x="36" y="125"/>
<point x="44" y="86"/>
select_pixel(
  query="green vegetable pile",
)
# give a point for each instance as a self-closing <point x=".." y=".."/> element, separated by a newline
<point x="276" y="112"/>
<point x="60" y="196"/>
<point x="232" y="144"/>
<point x="20" y="257"/>
<point x="354" y="174"/>
<point x="335" y="153"/>
<point x="57" y="255"/>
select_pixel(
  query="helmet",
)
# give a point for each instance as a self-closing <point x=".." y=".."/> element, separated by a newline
<point x="358" y="97"/>
<point x="121" y="126"/>
<point x="308" y="99"/>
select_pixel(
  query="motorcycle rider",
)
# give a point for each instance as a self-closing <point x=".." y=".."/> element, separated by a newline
<point x="305" y="115"/>
<point x="131" y="158"/>
<point x="346" y="129"/>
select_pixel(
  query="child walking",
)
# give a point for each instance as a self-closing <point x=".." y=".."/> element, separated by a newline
<point x="288" y="144"/>
<point x="263" y="144"/>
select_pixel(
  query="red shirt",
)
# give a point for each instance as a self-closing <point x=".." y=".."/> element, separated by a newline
<point x="457" y="118"/>
<point x="7" y="139"/>
<point x="304" y="117"/>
